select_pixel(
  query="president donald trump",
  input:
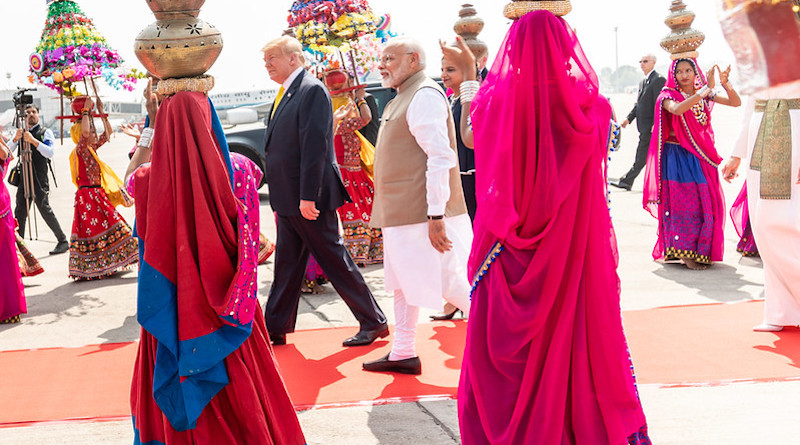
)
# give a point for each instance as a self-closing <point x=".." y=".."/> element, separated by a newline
<point x="305" y="189"/>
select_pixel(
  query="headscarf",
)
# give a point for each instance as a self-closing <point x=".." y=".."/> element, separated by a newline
<point x="555" y="355"/>
<point x="697" y="138"/>
<point x="694" y="136"/>
<point x="527" y="99"/>
<point x="198" y="250"/>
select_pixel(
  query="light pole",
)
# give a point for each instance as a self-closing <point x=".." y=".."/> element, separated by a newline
<point x="616" y="48"/>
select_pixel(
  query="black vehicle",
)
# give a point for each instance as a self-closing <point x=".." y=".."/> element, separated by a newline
<point x="248" y="139"/>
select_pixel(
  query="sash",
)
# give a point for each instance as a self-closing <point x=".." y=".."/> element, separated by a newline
<point x="772" y="153"/>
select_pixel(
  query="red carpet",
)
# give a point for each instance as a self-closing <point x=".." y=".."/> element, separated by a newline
<point x="709" y="344"/>
<point x="691" y="345"/>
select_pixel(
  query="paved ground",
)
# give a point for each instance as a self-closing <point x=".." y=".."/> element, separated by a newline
<point x="63" y="313"/>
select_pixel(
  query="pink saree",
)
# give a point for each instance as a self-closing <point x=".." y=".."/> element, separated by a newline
<point x="12" y="294"/>
<point x="546" y="359"/>
<point x="681" y="182"/>
<point x="740" y="216"/>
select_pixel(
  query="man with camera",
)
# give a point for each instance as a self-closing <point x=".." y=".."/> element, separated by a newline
<point x="41" y="141"/>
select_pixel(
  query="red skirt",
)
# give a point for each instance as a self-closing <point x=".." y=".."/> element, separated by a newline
<point x="101" y="242"/>
<point x="364" y="244"/>
<point x="254" y="408"/>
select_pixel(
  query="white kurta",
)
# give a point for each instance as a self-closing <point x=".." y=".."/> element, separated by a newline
<point x="775" y="222"/>
<point x="411" y="264"/>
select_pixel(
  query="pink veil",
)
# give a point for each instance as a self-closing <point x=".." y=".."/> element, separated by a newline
<point x="565" y="118"/>
<point x="546" y="358"/>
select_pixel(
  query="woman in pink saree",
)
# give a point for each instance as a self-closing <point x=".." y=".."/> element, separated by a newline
<point x="681" y="183"/>
<point x="12" y="294"/>
<point x="546" y="360"/>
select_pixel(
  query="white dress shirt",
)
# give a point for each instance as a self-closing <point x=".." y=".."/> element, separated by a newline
<point x="427" y="120"/>
<point x="45" y="147"/>
<point x="288" y="82"/>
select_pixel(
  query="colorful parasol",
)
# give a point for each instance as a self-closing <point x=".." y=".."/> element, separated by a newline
<point x="71" y="49"/>
<point x="340" y="33"/>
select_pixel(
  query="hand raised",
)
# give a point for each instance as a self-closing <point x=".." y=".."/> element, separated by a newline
<point x="151" y="101"/>
<point x="342" y="112"/>
<point x="710" y="77"/>
<point x="461" y="56"/>
<point x="130" y="130"/>
<point x="724" y="75"/>
<point x="360" y="93"/>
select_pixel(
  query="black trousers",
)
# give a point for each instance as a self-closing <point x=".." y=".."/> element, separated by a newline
<point x="43" y="204"/>
<point x="297" y="237"/>
<point x="468" y="185"/>
<point x="641" y="159"/>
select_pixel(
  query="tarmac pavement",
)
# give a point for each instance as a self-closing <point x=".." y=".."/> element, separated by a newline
<point x="65" y="313"/>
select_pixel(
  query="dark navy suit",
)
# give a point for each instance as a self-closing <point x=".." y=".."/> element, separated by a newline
<point x="644" y="113"/>
<point x="301" y="165"/>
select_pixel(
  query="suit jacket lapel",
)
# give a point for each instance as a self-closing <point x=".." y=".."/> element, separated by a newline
<point x="642" y="86"/>
<point x="287" y="96"/>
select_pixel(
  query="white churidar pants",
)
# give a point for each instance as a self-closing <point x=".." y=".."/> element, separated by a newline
<point x="420" y="276"/>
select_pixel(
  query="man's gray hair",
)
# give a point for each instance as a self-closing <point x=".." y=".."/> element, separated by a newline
<point x="651" y="56"/>
<point x="410" y="46"/>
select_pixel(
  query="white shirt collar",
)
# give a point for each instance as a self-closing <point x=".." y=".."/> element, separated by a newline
<point x="289" y="80"/>
<point x="650" y="74"/>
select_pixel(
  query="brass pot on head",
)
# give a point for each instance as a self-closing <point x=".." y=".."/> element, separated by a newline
<point x="180" y="46"/>
<point x="168" y="9"/>
<point x="682" y="41"/>
<point x="468" y="26"/>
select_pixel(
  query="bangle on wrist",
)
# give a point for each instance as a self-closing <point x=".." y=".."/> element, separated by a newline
<point x="435" y="217"/>
<point x="703" y="92"/>
<point x="146" y="138"/>
<point x="468" y="90"/>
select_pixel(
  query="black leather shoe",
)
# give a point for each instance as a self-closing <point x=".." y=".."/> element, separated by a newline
<point x="61" y="247"/>
<point x="277" y="339"/>
<point x="621" y="185"/>
<point x="407" y="366"/>
<point x="364" y="338"/>
<point x="444" y="316"/>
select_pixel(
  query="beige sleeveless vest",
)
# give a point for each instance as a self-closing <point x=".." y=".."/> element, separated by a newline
<point x="400" y="164"/>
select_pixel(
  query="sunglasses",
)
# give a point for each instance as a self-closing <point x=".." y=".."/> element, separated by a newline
<point x="643" y="61"/>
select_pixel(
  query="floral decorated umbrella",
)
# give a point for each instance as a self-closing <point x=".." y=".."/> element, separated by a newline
<point x="71" y="50"/>
<point x="335" y="30"/>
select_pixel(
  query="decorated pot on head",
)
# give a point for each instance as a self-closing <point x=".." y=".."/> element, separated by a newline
<point x="468" y="26"/>
<point x="682" y="41"/>
<point x="336" y="81"/>
<point x="518" y="8"/>
<point x="765" y="39"/>
<point x="170" y="9"/>
<point x="179" y="45"/>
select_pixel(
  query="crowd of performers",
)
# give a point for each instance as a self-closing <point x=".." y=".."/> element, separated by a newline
<point x="525" y="247"/>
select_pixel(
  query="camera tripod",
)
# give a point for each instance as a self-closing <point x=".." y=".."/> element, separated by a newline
<point x="26" y="163"/>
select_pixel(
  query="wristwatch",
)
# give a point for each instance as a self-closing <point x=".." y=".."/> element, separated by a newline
<point x="435" y="217"/>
